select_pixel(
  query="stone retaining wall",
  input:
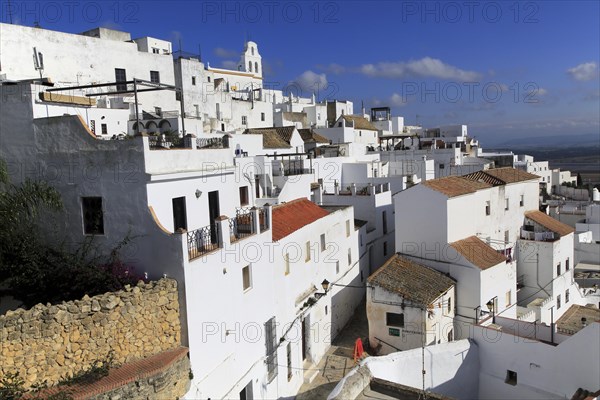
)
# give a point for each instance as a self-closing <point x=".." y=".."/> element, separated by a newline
<point x="51" y="342"/>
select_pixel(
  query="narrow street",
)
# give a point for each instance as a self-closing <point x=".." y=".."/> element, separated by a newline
<point x="338" y="360"/>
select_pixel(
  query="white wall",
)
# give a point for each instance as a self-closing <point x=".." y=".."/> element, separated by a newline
<point x="543" y="370"/>
<point x="437" y="326"/>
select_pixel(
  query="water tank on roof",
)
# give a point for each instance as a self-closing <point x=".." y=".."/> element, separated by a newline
<point x="595" y="194"/>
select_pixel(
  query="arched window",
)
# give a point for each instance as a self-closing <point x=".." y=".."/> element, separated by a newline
<point x="250" y="66"/>
<point x="252" y="50"/>
<point x="256" y="67"/>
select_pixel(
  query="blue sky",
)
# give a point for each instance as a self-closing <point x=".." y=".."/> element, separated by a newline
<point x="507" y="69"/>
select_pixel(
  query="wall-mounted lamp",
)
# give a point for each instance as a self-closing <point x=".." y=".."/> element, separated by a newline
<point x="325" y="286"/>
<point x="198" y="193"/>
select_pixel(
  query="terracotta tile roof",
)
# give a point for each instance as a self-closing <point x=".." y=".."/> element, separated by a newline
<point x="452" y="186"/>
<point x="284" y="132"/>
<point x="570" y="322"/>
<point x="582" y="394"/>
<point x="501" y="176"/>
<point x="119" y="376"/>
<point x="549" y="223"/>
<point x="414" y="282"/>
<point x="477" y="252"/>
<point x="310" y="136"/>
<point x="360" y="122"/>
<point x="271" y="138"/>
<point x="293" y="215"/>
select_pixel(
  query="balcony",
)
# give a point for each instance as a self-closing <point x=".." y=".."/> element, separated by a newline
<point x="527" y="234"/>
<point x="355" y="189"/>
<point x="223" y="232"/>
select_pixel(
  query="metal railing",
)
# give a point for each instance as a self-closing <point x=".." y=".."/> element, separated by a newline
<point x="242" y="225"/>
<point x="202" y="241"/>
<point x="210" y="143"/>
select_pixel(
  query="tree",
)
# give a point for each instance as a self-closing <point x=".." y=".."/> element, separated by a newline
<point x="41" y="272"/>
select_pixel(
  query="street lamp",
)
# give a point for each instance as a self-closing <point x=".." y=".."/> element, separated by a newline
<point x="325" y="286"/>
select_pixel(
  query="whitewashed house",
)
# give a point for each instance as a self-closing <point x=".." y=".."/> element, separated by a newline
<point x="285" y="297"/>
<point x="546" y="264"/>
<point x="351" y="128"/>
<point x="409" y="305"/>
<point x="468" y="227"/>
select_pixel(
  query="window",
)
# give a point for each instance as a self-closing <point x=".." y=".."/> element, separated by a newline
<point x="154" y="77"/>
<point x="511" y="377"/>
<point x="246" y="278"/>
<point x="505" y="204"/>
<point x="347" y="227"/>
<point x="558" y="302"/>
<point x="337" y="267"/>
<point x="349" y="256"/>
<point x="194" y="80"/>
<point x="121" y="76"/>
<point x="450" y="335"/>
<point x="487" y="208"/>
<point x="208" y="78"/>
<point x="566" y="296"/>
<point x="262" y="116"/>
<point x="244" y="120"/>
<point x="289" y="361"/>
<point x="449" y="309"/>
<point x="307" y="259"/>
<point x="93" y="216"/>
<point x="244" y="196"/>
<point x="385" y="248"/>
<point x="558" y="269"/>
<point x="522" y="201"/>
<point x="384" y="221"/>
<point x="442" y="166"/>
<point x="246" y="392"/>
<point x="323" y="244"/>
<point x="155" y="50"/>
<point x="256" y="67"/>
<point x="506" y="237"/>
<point x="271" y="348"/>
<point x="250" y="66"/>
<point x="567" y="265"/>
<point x="393" y="319"/>
<point x="104" y="129"/>
<point x="252" y="50"/>
<point x="93" y="126"/>
<point x="508" y="298"/>
<point x="287" y="263"/>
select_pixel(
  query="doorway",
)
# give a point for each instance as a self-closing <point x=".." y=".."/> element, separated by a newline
<point x="213" y="212"/>
<point x="179" y="214"/>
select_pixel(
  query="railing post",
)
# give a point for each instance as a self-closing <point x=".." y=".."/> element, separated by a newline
<point x="189" y="141"/>
<point x="319" y="194"/>
<point x="371" y="189"/>
<point x="353" y="189"/>
<point x="268" y="215"/>
<point x="223" y="231"/>
<point x="336" y="188"/>
<point x="255" y="220"/>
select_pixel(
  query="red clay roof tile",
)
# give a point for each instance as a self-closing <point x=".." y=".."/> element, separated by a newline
<point x="293" y="215"/>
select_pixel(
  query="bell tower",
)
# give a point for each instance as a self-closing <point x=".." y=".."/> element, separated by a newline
<point x="251" y="59"/>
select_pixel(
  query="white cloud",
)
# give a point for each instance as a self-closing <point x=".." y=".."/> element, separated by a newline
<point x="584" y="72"/>
<point x="333" y="68"/>
<point x="310" y="82"/>
<point x="225" y="53"/>
<point x="425" y="67"/>
<point x="397" y="100"/>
